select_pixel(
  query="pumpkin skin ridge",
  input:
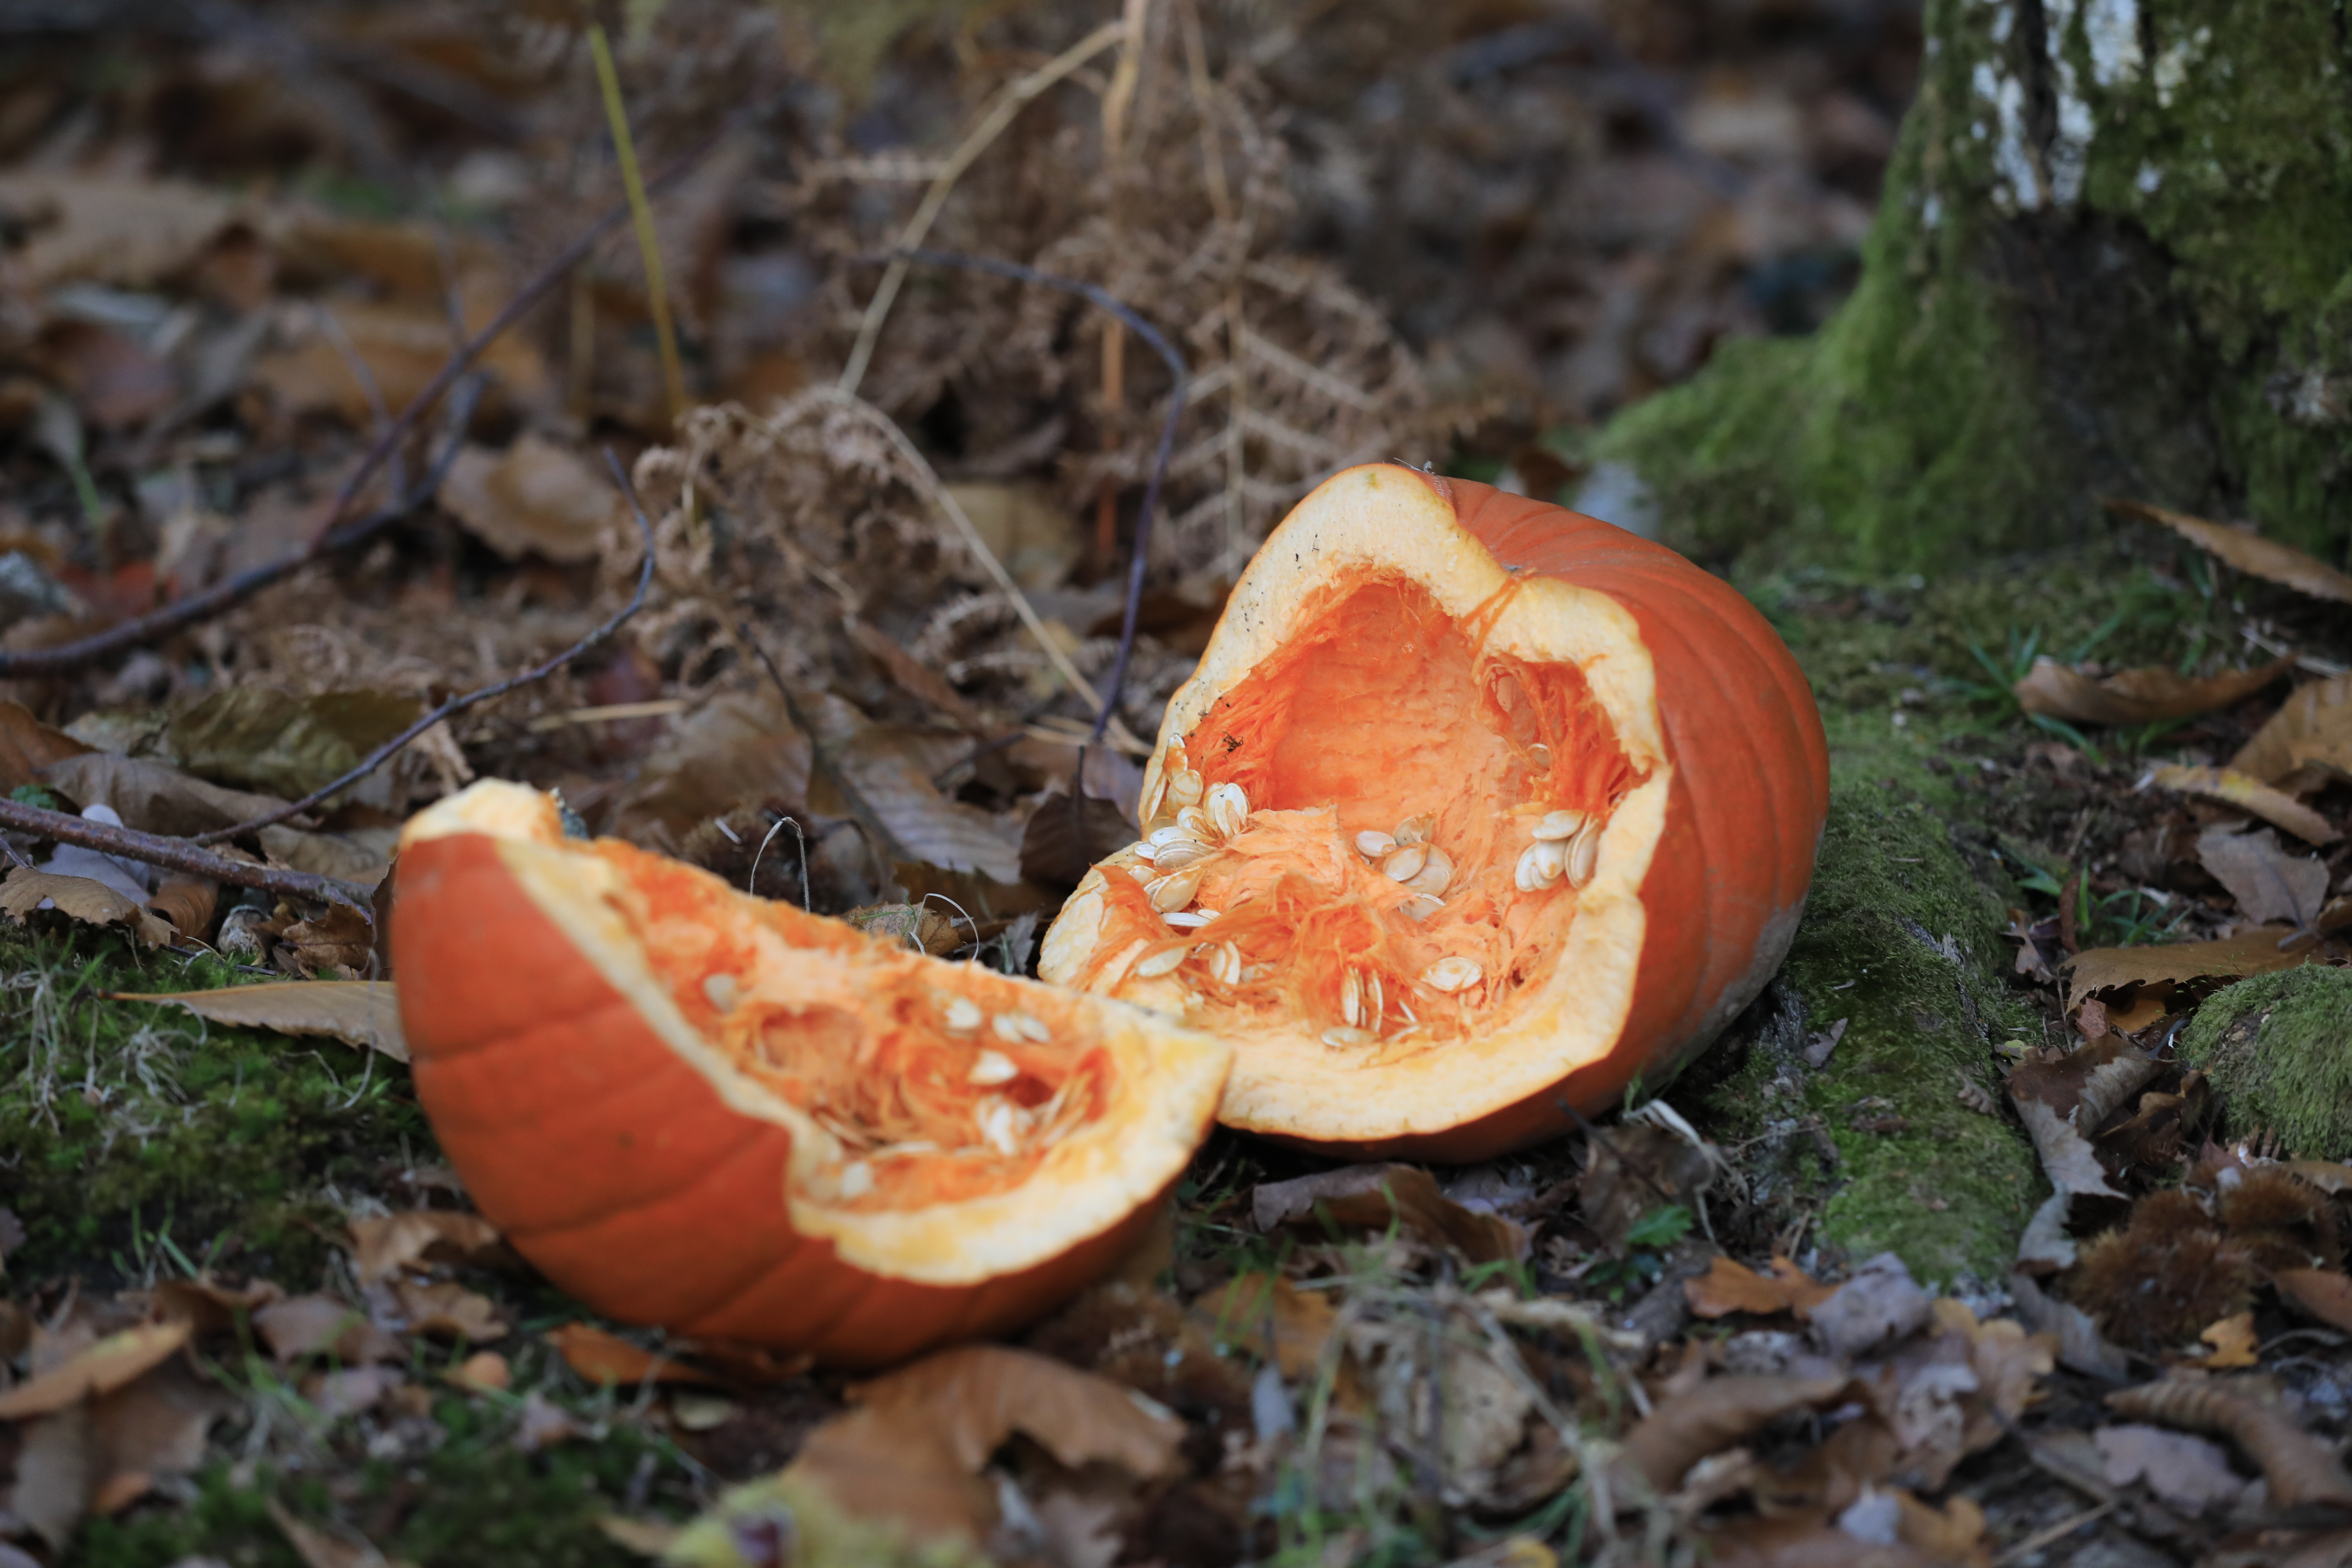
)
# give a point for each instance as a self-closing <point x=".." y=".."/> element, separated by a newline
<point x="1732" y="856"/>
<point x="790" y="1288"/>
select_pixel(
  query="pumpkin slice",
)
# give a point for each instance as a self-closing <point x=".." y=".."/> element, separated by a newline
<point x="734" y="1118"/>
<point x="1475" y="813"/>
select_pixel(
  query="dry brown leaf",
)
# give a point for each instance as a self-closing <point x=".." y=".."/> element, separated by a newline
<point x="207" y="1307"/>
<point x="2318" y="716"/>
<point x="2063" y="1102"/>
<point x="914" y="677"/>
<point x="364" y="1013"/>
<point x="187" y="902"/>
<point x="1634" y="1168"/>
<point x="383" y="1245"/>
<point x="1805" y="1541"/>
<point x="2184" y="1472"/>
<point x="310" y="1325"/>
<point x="1271" y="1318"/>
<point x="1026" y="527"/>
<point x="2322" y="1293"/>
<point x="99" y="1369"/>
<point x="2251" y="553"/>
<point x="534" y="497"/>
<point x="873" y="1465"/>
<point x="404" y="345"/>
<point x="1712" y="1417"/>
<point x="449" y="1311"/>
<point x="1378" y="1196"/>
<point x="83" y="899"/>
<point x="2250" y="796"/>
<point x="2328" y="1176"/>
<point x="975" y="1396"/>
<point x="1877" y="1305"/>
<point x="601" y="1356"/>
<point x="129" y="232"/>
<point x="27" y="746"/>
<point x="890" y="769"/>
<point x="1067" y="835"/>
<point x="338" y="942"/>
<point x="1728" y="1286"/>
<point x="56" y="1479"/>
<point x="739" y="747"/>
<point x="2135" y="696"/>
<point x="153" y="797"/>
<point x="2299" y="1466"/>
<point x="2268" y="883"/>
<point x="151" y="1427"/>
<point x="2233" y="1341"/>
<point x="2256" y="951"/>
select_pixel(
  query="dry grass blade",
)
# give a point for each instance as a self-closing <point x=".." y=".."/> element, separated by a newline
<point x="2250" y="553"/>
<point x="365" y="1013"/>
<point x="2250" y="796"/>
<point x="2300" y="1467"/>
<point x="2135" y="696"/>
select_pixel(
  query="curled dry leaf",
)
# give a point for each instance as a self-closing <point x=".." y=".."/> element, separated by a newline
<point x="187" y="902"/>
<point x="309" y="1325"/>
<point x="83" y="899"/>
<point x="208" y="1307"/>
<point x="1380" y="1195"/>
<point x="383" y="1245"/>
<point x="1271" y="1318"/>
<point x="890" y="770"/>
<point x="2324" y="1294"/>
<point x="2233" y="1343"/>
<point x="1728" y="1286"/>
<point x="27" y="746"/>
<point x="2135" y="696"/>
<point x="1877" y="1305"/>
<point x="2256" y="951"/>
<point x="338" y="942"/>
<point x="118" y="230"/>
<point x="2300" y="1467"/>
<point x="2248" y="794"/>
<point x="1636" y="1168"/>
<point x="739" y="747"/>
<point x="1712" y="1417"/>
<point x="364" y="1013"/>
<point x="2251" y="552"/>
<point x="257" y="738"/>
<point x="98" y="1369"/>
<point x="153" y="796"/>
<point x="2315" y="718"/>
<point x="2185" y="1472"/>
<point x="449" y="1311"/>
<point x="533" y="498"/>
<point x="2063" y="1102"/>
<point x="601" y="1356"/>
<point x="2268" y="883"/>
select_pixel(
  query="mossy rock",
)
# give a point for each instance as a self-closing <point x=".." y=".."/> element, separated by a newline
<point x="2279" y="1047"/>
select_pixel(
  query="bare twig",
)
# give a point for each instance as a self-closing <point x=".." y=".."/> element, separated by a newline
<point x="991" y="125"/>
<point x="1106" y="703"/>
<point x="457" y="705"/>
<point x="178" y="855"/>
<point x="332" y="538"/>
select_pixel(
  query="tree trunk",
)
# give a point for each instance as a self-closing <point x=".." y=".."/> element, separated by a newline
<point x="2113" y="256"/>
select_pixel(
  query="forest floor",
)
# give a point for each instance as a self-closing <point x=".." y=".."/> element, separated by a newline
<point x="2005" y="1228"/>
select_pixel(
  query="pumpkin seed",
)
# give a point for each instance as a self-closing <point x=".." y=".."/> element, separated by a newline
<point x="1167" y="960"/>
<point x="907" y="1150"/>
<point x="1144" y="850"/>
<point x="1143" y="873"/>
<point x="857" y="1179"/>
<point x="991" y="1068"/>
<point x="1018" y="1027"/>
<point x="1002" y="1123"/>
<point x="1414" y="829"/>
<point x="1189" y="919"/>
<point x="1585" y="856"/>
<point x="1173" y="891"/>
<point x="1539" y="757"/>
<point x="1373" y="1004"/>
<point x="1451" y="974"/>
<point x="720" y="990"/>
<point x="1178" y="856"/>
<point x="1351" y="999"/>
<point x="1229" y="809"/>
<point x="1154" y="796"/>
<point x="1225" y="964"/>
<point x="961" y="1014"/>
<point x="1435" y="872"/>
<point x="1403" y="863"/>
<point x="1371" y="844"/>
<point x="1560" y="825"/>
<point x="1340" y="1039"/>
<point x="1421" y="906"/>
<point x="1187" y="788"/>
<point x="1175" y="836"/>
<point x="1540" y="865"/>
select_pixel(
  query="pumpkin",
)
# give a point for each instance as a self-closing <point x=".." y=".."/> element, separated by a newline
<point x="734" y="1118"/>
<point x="1475" y="813"/>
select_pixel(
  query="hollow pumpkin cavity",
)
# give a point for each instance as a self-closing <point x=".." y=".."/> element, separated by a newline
<point x="1376" y="837"/>
<point x="934" y="1082"/>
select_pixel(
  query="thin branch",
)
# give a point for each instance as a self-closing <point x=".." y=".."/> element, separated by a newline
<point x="1182" y="374"/>
<point x="178" y="855"/>
<point x="332" y="538"/>
<point x="457" y="705"/>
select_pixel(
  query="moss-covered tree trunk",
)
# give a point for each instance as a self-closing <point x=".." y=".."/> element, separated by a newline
<point x="2114" y="255"/>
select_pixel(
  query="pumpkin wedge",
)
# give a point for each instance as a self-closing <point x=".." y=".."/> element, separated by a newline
<point x="725" y="1115"/>
<point x="1475" y="812"/>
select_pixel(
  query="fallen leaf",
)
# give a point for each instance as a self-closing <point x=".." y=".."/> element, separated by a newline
<point x="533" y="498"/>
<point x="114" y="380"/>
<point x="916" y="678"/>
<point x="2258" y="949"/>
<point x="1442" y="1379"/>
<point x="152" y="1427"/>
<point x="891" y="768"/>
<point x="349" y="1391"/>
<point x="209" y="1308"/>
<point x="1818" y="1049"/>
<point x="153" y="796"/>
<point x="255" y="738"/>
<point x="187" y="902"/>
<point x="2328" y="1176"/>
<point x="2080" y="1345"/>
<point x="365" y="1013"/>
<point x="2318" y="715"/>
<point x="2063" y="1102"/>
<point x="1635" y="1169"/>
<point x="99" y="1369"/>
<point x="449" y="1311"/>
<point x="2322" y="1293"/>
<point x="1728" y="1286"/>
<point x="2268" y="883"/>
<point x="124" y="231"/>
<point x="484" y="1372"/>
<point x="601" y="1356"/>
<point x="2251" y="552"/>
<point x="312" y="1325"/>
<point x="2248" y="794"/>
<point x="336" y="942"/>
<point x="2135" y="696"/>
<point x="1378" y="1196"/>
<point x="737" y="747"/>
<point x="918" y="926"/>
<point x="2234" y="1342"/>
<point x="2299" y="1467"/>
<point x="404" y="344"/>
<point x="82" y="898"/>
<point x="1026" y="527"/>
<point x="27" y="746"/>
<point x="54" y="1474"/>
<point x="1878" y="1304"/>
<point x="1066" y="835"/>
<point x="1271" y="1318"/>
<point x="1710" y="1417"/>
<point x="543" y="1424"/>
<point x="2184" y="1472"/>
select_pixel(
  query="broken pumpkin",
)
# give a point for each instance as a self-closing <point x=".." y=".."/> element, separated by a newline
<point x="736" y="1120"/>
<point x="1475" y="812"/>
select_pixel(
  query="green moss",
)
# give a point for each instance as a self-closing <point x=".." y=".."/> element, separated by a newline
<point x="2279" y="1047"/>
<point x="138" y="1138"/>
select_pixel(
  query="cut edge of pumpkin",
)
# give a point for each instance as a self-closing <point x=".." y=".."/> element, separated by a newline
<point x="1388" y="521"/>
<point x="1167" y="1086"/>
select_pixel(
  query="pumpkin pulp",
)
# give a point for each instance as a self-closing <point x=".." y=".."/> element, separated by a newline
<point x="935" y="1082"/>
<point x="1393" y="719"/>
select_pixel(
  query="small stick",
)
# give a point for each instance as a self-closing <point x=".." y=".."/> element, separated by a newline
<point x="178" y="855"/>
<point x="648" y="244"/>
<point x="457" y="705"/>
<point x="131" y="633"/>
